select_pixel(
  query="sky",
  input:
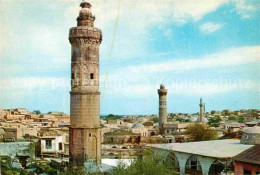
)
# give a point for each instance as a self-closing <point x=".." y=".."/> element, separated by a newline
<point x="202" y="48"/>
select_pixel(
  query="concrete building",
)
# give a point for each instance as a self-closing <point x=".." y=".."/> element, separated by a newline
<point x="162" y="92"/>
<point x="206" y="157"/>
<point x="85" y="131"/>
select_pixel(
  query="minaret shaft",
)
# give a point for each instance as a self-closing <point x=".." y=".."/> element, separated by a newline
<point x="162" y="92"/>
<point x="201" y="110"/>
<point x="85" y="132"/>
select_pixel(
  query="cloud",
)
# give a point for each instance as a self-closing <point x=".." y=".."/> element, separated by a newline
<point x="143" y="80"/>
<point x="142" y="14"/>
<point x="184" y="10"/>
<point x="229" y="57"/>
<point x="35" y="84"/>
<point x="186" y="88"/>
<point x="209" y="27"/>
<point x="168" y="33"/>
<point x="246" y="7"/>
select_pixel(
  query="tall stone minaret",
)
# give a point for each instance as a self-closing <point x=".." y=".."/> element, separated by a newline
<point x="201" y="110"/>
<point x="162" y="108"/>
<point x="85" y="135"/>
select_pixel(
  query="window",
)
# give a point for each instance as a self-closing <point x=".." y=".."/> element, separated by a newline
<point x="89" y="134"/>
<point x="48" y="144"/>
<point x="72" y="76"/>
<point x="60" y="146"/>
<point x="247" y="172"/>
<point x="91" y="76"/>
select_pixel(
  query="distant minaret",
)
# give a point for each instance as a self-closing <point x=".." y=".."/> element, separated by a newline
<point x="85" y="130"/>
<point x="201" y="110"/>
<point x="162" y="107"/>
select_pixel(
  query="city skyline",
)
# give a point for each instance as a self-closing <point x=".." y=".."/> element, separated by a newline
<point x="211" y="52"/>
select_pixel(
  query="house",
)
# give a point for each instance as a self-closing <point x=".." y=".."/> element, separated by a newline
<point x="121" y="137"/>
<point x="53" y="143"/>
<point x="248" y="162"/>
<point x="252" y="123"/>
<point x="171" y="128"/>
<point x="11" y="134"/>
<point x="21" y="111"/>
<point x="18" y="133"/>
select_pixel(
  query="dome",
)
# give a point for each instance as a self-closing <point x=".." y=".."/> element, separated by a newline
<point x="129" y="125"/>
<point x="193" y="119"/>
<point x="138" y="126"/>
<point x="251" y="136"/>
<point x="205" y="119"/>
<point x="253" y="130"/>
<point x="142" y="119"/>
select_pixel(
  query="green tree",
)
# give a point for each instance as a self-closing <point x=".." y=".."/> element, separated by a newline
<point x="200" y="132"/>
<point x="147" y="163"/>
<point x="155" y="119"/>
<point x="79" y="170"/>
<point x="112" y="117"/>
<point x="182" y="120"/>
<point x="231" y="118"/>
<point x="241" y="119"/>
<point x="37" y="112"/>
<point x="214" y="121"/>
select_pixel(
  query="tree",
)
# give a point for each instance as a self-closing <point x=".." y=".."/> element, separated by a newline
<point x="182" y="120"/>
<point x="155" y="119"/>
<point x="200" y="132"/>
<point x="214" y="121"/>
<point x="241" y="119"/>
<point x="37" y="112"/>
<point x="147" y="163"/>
<point x="231" y="118"/>
<point x="112" y="117"/>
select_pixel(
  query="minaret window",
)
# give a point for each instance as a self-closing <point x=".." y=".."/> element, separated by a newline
<point x="72" y="76"/>
<point x="91" y="76"/>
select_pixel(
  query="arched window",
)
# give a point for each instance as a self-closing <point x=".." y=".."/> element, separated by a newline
<point x="217" y="167"/>
<point x="91" y="76"/>
<point x="152" y="133"/>
<point x="171" y="162"/>
<point x="193" y="166"/>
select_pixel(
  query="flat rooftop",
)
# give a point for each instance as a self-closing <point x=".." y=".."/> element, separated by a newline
<point x="226" y="148"/>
